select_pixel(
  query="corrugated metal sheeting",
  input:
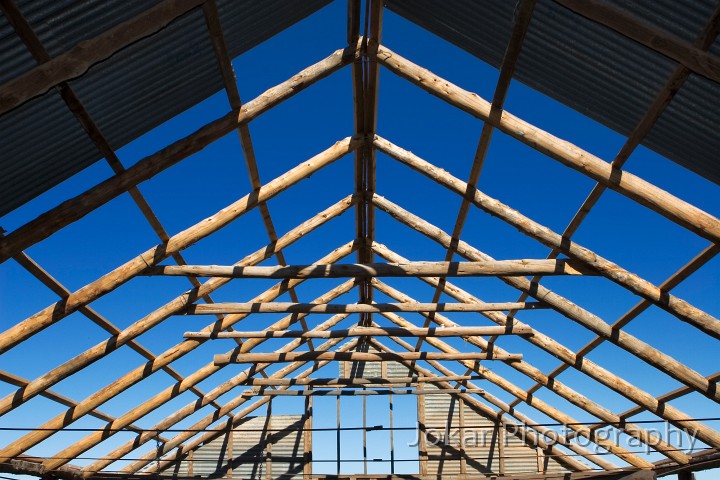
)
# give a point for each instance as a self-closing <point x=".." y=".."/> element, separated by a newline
<point x="481" y="446"/>
<point x="127" y="95"/>
<point x="261" y="447"/>
<point x="595" y="70"/>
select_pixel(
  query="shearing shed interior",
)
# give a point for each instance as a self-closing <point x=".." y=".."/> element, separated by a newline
<point x="360" y="239"/>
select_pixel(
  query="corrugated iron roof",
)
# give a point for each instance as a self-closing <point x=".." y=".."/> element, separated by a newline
<point x="137" y="89"/>
<point x="593" y="69"/>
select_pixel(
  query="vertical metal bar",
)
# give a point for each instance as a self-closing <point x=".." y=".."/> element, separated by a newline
<point x="392" y="437"/>
<point x="364" y="412"/>
<point x="337" y="436"/>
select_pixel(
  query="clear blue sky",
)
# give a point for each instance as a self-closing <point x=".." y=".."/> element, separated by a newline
<point x="542" y="189"/>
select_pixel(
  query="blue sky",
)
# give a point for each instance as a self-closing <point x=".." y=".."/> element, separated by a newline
<point x="542" y="189"/>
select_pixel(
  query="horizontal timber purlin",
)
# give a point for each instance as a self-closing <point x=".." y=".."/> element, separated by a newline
<point x="163" y="313"/>
<point x="524" y="367"/>
<point x="360" y="393"/>
<point x="643" y="192"/>
<point x="171" y="392"/>
<point x="176" y="243"/>
<point x="556" y="349"/>
<point x="287" y="307"/>
<point x="208" y="420"/>
<point x="143" y="371"/>
<point x="415" y="269"/>
<point x="237" y="357"/>
<point x="357" y="381"/>
<point x="563" y="306"/>
<point x="366" y="331"/>
<point x="523" y="431"/>
<point x="163" y="463"/>
<point x="76" y="208"/>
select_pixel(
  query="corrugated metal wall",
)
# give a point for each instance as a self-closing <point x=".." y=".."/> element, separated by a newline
<point x="261" y="447"/>
<point x="479" y="448"/>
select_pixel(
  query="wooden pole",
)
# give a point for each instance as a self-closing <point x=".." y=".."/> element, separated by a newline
<point x="648" y="35"/>
<point x="367" y="331"/>
<point x="176" y="243"/>
<point x="285" y="307"/>
<point x="76" y="208"/>
<point x="413" y="269"/>
<point x="161" y="314"/>
<point x="587" y="366"/>
<point x="358" y="393"/>
<point x="656" y="199"/>
<point x="225" y="359"/>
<point x="356" y="381"/>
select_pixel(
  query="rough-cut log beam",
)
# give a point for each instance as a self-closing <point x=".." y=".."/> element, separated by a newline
<point x="143" y="371"/>
<point x="205" y="422"/>
<point x="224" y="359"/>
<point x="359" y="393"/>
<point x="79" y="206"/>
<point x="658" y="200"/>
<point x="649" y="35"/>
<point x="163" y="313"/>
<point x="285" y="307"/>
<point x="76" y="61"/>
<point x="211" y="435"/>
<point x="635" y="284"/>
<point x="523" y="267"/>
<point x="673" y="415"/>
<point x="356" y="381"/>
<point x="543" y="407"/>
<point x="199" y="375"/>
<point x="22" y="466"/>
<point x="177" y="242"/>
<point x="368" y="331"/>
